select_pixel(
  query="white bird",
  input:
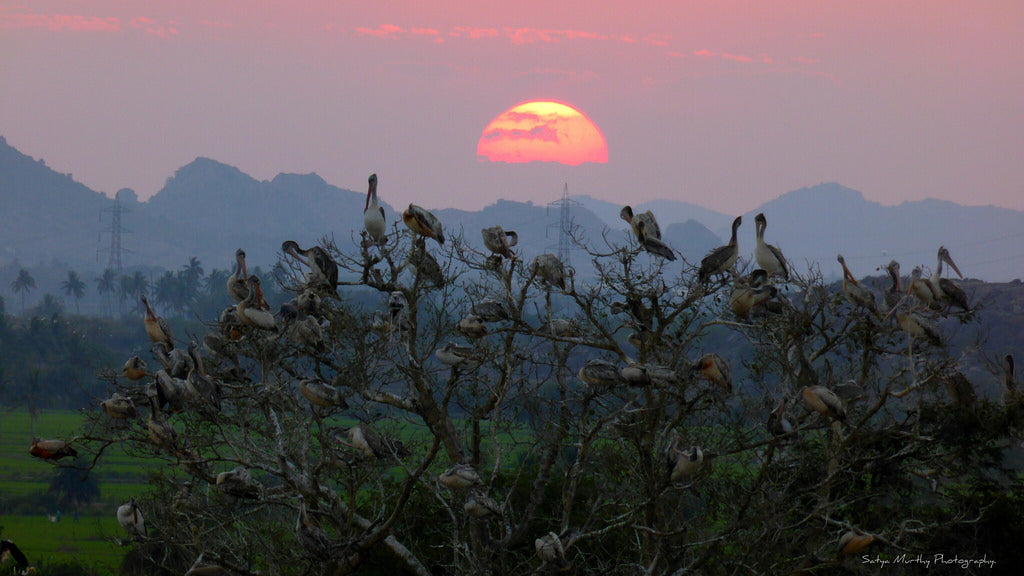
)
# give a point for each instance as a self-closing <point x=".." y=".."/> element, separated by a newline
<point x="500" y="241"/>
<point x="460" y="476"/>
<point x="130" y="518"/>
<point x="238" y="482"/>
<point x="248" y="311"/>
<point x="458" y="356"/>
<point x="768" y="257"/>
<point x="373" y="214"/>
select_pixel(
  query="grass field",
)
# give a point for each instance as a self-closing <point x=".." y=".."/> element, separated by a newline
<point x="89" y="541"/>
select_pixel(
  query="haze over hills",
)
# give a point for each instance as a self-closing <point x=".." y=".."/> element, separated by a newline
<point x="208" y="209"/>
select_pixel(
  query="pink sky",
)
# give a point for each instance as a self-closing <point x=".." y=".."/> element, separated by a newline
<point x="724" y="104"/>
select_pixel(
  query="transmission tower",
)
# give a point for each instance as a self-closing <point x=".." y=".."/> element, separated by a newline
<point x="116" y="230"/>
<point x="565" y="243"/>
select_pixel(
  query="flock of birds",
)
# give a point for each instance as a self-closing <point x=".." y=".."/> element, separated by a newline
<point x="183" y="380"/>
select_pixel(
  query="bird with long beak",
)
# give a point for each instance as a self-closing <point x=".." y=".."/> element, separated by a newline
<point x="237" y="287"/>
<point x="947" y="290"/>
<point x="856" y="294"/>
<point x="824" y="402"/>
<point x="156" y="327"/>
<point x="768" y="256"/>
<point x="51" y="449"/>
<point x="500" y="241"/>
<point x="914" y="324"/>
<point x="323" y="268"/>
<point x="650" y="223"/>
<point x="248" y="311"/>
<point x="721" y="259"/>
<point x="923" y="289"/>
<point x="373" y="214"/>
<point x="894" y="293"/>
<point x="550" y="269"/>
<point x="423" y="223"/>
<point x="653" y="244"/>
<point x="130" y="518"/>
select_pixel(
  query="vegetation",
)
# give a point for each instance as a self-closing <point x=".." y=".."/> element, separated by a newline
<point x="577" y="427"/>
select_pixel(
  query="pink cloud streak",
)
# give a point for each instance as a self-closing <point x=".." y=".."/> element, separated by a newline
<point x="61" y="22"/>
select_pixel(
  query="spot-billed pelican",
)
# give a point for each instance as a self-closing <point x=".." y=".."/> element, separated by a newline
<point x="768" y="257"/>
<point x="721" y="259"/>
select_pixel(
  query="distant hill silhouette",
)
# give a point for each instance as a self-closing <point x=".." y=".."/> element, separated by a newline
<point x="208" y="209"/>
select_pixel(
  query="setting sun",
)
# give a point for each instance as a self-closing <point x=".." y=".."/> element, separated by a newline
<point x="542" y="131"/>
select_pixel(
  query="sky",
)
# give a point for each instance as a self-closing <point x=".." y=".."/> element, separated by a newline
<point x="723" y="104"/>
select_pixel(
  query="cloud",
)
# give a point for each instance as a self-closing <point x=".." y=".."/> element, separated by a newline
<point x="151" y="26"/>
<point x="805" y="60"/>
<point x="533" y="35"/>
<point x="474" y="33"/>
<point x="61" y="22"/>
<point x="741" y="58"/>
<point x="383" y="31"/>
<point x="543" y="133"/>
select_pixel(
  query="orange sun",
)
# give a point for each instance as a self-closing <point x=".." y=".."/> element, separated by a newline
<point x="542" y="131"/>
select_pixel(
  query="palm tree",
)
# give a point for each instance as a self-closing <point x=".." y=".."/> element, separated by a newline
<point x="106" y="285"/>
<point x="74" y="287"/>
<point x="133" y="286"/>
<point x="23" y="284"/>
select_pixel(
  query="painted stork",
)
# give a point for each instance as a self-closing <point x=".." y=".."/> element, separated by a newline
<point x="423" y="223"/>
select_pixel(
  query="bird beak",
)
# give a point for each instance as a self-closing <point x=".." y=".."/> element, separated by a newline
<point x="949" y="260"/>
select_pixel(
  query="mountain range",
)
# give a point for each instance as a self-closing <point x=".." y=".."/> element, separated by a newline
<point x="208" y="209"/>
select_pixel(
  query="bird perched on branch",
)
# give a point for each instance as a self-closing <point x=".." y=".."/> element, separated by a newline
<point x="51" y="449"/>
<point x="373" y="214"/>
<point x="423" y="223"/>
<point x="768" y="257"/>
<point x="500" y="241"/>
<point x="130" y="518"/>
<point x="721" y="259"/>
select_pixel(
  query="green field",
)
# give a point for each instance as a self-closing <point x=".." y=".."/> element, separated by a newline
<point x="26" y="508"/>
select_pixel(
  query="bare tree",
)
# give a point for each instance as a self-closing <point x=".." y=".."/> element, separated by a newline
<point x="442" y="409"/>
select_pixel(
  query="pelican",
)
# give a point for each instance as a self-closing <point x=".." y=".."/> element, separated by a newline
<point x="423" y="223"/>
<point x="923" y="289"/>
<point x="853" y="542"/>
<point x="685" y="463"/>
<point x="311" y="536"/>
<point x="946" y="290"/>
<point x="460" y="476"/>
<point x="200" y="385"/>
<point x="135" y="368"/>
<point x="745" y="298"/>
<point x="650" y="223"/>
<point x="170" y="391"/>
<point x="499" y="241"/>
<point x="716" y="370"/>
<point x="321" y="394"/>
<point x="323" y="268"/>
<point x="398" y="307"/>
<point x="824" y="401"/>
<point x="653" y="244"/>
<point x="119" y="407"/>
<point x="551" y="550"/>
<point x="768" y="257"/>
<point x="721" y="259"/>
<point x="238" y="482"/>
<point x="458" y="356"/>
<point x="480" y="505"/>
<point x="373" y="214"/>
<point x="778" y="423"/>
<point x="601" y="374"/>
<point x="473" y="326"/>
<point x="374" y="445"/>
<point x="156" y="327"/>
<point x="855" y="293"/>
<point x="894" y="294"/>
<point x="203" y="568"/>
<point x="161" y="433"/>
<point x="51" y="449"/>
<point x="426" y="265"/>
<point x="914" y="324"/>
<point x="492" y="310"/>
<point x="236" y="282"/>
<point x="550" y="269"/>
<point x="176" y="362"/>
<point x="130" y="518"/>
<point x="635" y="374"/>
<point x="248" y="311"/>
